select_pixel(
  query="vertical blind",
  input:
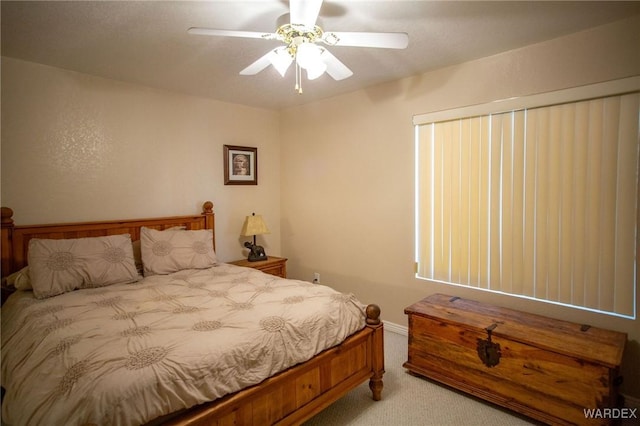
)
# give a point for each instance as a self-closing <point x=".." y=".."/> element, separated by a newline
<point x="538" y="202"/>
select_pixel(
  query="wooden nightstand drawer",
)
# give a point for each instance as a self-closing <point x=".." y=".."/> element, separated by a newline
<point x="273" y="265"/>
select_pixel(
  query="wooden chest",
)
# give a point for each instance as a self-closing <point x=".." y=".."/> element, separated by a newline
<point x="551" y="370"/>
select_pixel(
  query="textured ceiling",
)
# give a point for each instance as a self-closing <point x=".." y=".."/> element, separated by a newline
<point x="146" y="42"/>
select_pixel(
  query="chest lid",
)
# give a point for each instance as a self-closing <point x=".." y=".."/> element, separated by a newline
<point x="584" y="342"/>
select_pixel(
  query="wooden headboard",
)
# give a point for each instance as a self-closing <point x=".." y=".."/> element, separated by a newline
<point x="14" y="242"/>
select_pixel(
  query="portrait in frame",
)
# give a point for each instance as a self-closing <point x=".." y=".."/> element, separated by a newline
<point x="240" y="165"/>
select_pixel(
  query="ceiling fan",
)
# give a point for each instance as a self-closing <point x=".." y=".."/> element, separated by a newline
<point x="303" y="40"/>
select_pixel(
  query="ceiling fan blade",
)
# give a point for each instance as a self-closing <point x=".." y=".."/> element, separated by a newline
<point x="258" y="65"/>
<point x="304" y="12"/>
<point x="230" y="33"/>
<point x="335" y="68"/>
<point x="278" y="57"/>
<point x="362" y="39"/>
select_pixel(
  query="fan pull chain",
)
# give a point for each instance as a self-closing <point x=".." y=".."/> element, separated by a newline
<point x="298" y="79"/>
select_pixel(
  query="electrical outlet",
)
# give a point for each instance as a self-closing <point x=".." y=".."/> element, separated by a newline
<point x="316" y="278"/>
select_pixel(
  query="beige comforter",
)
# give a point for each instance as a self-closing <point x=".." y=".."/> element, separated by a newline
<point x="126" y="354"/>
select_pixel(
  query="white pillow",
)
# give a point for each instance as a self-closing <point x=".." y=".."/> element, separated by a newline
<point x="58" y="266"/>
<point x="164" y="252"/>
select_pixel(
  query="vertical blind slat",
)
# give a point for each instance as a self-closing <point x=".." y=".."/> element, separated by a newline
<point x="608" y="204"/>
<point x="485" y="260"/>
<point x="506" y="203"/>
<point x="529" y="259"/>
<point x="541" y="218"/>
<point x="592" y="265"/>
<point x="475" y="192"/>
<point x="425" y="167"/>
<point x="518" y="210"/>
<point x="553" y="172"/>
<point x="567" y="213"/>
<point x="495" y="276"/>
<point x="579" y="234"/>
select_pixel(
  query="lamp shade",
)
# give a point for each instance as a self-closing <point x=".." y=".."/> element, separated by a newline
<point x="254" y="225"/>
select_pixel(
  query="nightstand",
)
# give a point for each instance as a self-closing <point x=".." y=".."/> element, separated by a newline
<point x="273" y="265"/>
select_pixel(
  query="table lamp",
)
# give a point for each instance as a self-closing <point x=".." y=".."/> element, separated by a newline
<point x="254" y="225"/>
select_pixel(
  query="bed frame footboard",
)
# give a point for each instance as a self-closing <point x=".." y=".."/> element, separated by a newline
<point x="297" y="394"/>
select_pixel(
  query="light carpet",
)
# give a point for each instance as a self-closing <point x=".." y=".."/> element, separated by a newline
<point x="409" y="400"/>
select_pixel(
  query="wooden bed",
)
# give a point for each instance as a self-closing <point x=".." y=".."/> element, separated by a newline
<point x="290" y="397"/>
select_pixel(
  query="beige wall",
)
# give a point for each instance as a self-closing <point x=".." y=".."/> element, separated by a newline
<point x="347" y="171"/>
<point x="77" y="147"/>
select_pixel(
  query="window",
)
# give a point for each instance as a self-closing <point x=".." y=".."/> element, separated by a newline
<point x="537" y="200"/>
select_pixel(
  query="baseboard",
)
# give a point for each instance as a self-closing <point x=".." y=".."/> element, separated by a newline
<point x="396" y="328"/>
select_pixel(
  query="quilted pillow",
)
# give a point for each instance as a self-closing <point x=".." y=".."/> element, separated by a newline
<point x="164" y="252"/>
<point x="137" y="248"/>
<point x="59" y="266"/>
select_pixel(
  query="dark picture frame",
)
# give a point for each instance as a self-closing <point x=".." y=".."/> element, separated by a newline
<point x="240" y="165"/>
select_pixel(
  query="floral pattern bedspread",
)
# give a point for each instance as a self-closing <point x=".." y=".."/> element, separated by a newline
<point x="129" y="353"/>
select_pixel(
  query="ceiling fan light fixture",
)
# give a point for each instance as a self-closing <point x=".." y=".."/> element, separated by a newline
<point x="316" y="70"/>
<point x="308" y="55"/>
<point x="281" y="60"/>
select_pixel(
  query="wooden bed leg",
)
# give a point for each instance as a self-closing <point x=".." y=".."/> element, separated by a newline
<point x="377" y="361"/>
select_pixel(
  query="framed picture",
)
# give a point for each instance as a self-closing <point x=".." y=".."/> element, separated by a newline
<point x="240" y="165"/>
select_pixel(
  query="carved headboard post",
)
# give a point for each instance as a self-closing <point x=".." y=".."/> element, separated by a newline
<point x="209" y="218"/>
<point x="6" y="241"/>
